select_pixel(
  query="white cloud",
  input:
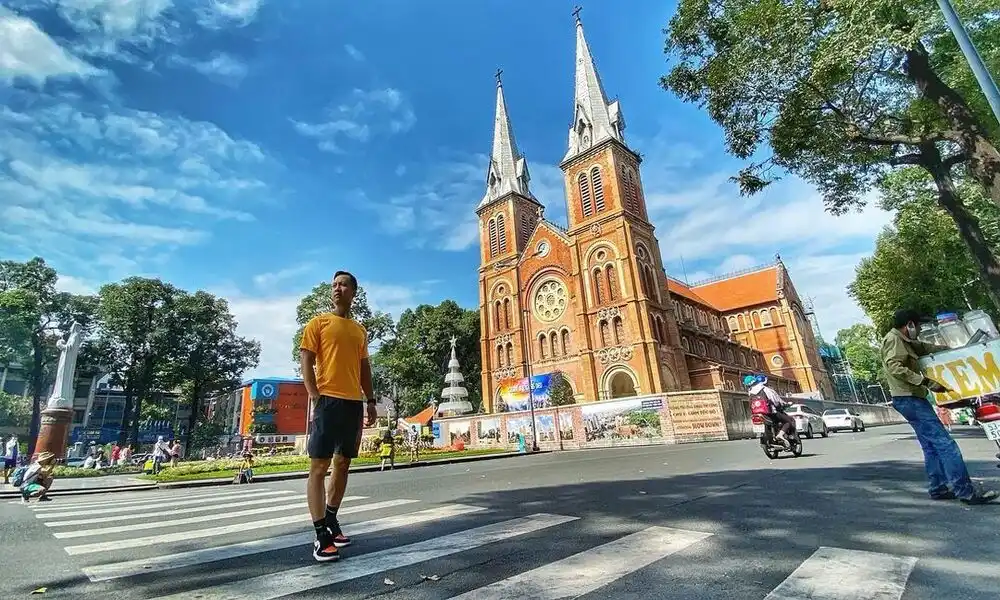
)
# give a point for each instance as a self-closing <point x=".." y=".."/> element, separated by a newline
<point x="104" y="25"/>
<point x="129" y="186"/>
<point x="224" y="13"/>
<point x="380" y="111"/>
<point x="28" y="52"/>
<point x="221" y="67"/>
<point x="823" y="279"/>
<point x="354" y="52"/>
<point x="264" y="280"/>
<point x="75" y="285"/>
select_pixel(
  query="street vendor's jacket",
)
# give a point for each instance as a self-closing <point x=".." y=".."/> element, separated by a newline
<point x="899" y="357"/>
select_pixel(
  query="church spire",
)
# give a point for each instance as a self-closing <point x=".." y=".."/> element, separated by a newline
<point x="508" y="171"/>
<point x="594" y="118"/>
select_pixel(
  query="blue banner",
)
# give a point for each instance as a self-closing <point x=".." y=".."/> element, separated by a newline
<point x="264" y="390"/>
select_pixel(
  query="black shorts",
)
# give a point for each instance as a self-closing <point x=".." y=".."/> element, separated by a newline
<point x="336" y="428"/>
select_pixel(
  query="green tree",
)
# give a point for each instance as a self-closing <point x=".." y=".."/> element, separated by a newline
<point x="208" y="357"/>
<point x="860" y="345"/>
<point x="139" y="333"/>
<point x="33" y="316"/>
<point x="843" y="92"/>
<point x="560" y="392"/>
<point x="920" y="261"/>
<point x="416" y="357"/>
<point x="15" y="411"/>
<point x="377" y="323"/>
<point x="206" y="435"/>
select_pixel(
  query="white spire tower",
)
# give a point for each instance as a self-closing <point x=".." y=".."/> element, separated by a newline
<point x="594" y="118"/>
<point x="455" y="395"/>
<point x="508" y="170"/>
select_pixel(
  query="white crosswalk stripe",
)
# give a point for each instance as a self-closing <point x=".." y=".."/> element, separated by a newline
<point x="242" y="544"/>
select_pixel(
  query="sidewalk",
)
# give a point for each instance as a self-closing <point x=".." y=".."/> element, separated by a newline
<point x="78" y="486"/>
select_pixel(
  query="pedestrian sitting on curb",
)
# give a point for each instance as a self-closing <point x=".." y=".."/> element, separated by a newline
<point x="245" y="474"/>
<point x="36" y="479"/>
<point x="947" y="475"/>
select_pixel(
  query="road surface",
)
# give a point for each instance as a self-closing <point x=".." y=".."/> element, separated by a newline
<point x="849" y="520"/>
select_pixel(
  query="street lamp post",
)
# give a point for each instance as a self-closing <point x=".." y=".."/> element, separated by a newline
<point x="531" y="388"/>
<point x="979" y="69"/>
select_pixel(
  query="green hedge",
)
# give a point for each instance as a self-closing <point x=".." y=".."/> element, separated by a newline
<point x="72" y="472"/>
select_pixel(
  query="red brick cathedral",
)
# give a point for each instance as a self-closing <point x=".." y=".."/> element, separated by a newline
<point x="593" y="302"/>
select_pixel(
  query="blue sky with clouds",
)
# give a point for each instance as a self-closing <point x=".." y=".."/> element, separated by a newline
<point x="252" y="147"/>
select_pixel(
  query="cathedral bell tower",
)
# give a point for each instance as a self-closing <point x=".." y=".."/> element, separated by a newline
<point x="607" y="217"/>
<point x="508" y="214"/>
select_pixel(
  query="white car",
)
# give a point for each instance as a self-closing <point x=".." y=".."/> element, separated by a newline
<point x="807" y="420"/>
<point x="840" y="419"/>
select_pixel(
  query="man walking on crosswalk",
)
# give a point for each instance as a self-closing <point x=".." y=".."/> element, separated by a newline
<point x="338" y="378"/>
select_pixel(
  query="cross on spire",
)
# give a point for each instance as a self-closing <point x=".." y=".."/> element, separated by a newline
<point x="576" y="13"/>
<point x="498" y="74"/>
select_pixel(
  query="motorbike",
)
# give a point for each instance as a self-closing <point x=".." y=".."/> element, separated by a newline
<point x="768" y="428"/>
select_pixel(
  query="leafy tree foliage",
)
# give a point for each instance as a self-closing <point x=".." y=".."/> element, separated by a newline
<point x="320" y="300"/>
<point x="844" y="92"/>
<point x="560" y="392"/>
<point x="33" y="316"/>
<point x="14" y="410"/>
<point x="921" y="261"/>
<point x="860" y="345"/>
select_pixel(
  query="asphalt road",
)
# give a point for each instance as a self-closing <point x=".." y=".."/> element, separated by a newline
<point x="848" y="520"/>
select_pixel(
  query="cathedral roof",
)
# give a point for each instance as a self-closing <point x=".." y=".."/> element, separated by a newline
<point x="680" y="288"/>
<point x="508" y="170"/>
<point x="594" y="118"/>
<point x="759" y="286"/>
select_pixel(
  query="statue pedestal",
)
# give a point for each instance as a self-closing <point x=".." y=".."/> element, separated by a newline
<point x="54" y="432"/>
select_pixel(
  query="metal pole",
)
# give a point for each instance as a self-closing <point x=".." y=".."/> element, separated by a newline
<point x="527" y="364"/>
<point x="986" y="82"/>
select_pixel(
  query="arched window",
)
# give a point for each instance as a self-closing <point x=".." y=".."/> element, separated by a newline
<point x="729" y="355"/>
<point x="500" y="356"/>
<point x="619" y="331"/>
<point x="656" y="330"/>
<point x="542" y="346"/>
<point x="506" y="312"/>
<point x="765" y="318"/>
<point x="663" y="330"/>
<point x="585" y="200"/>
<point x="497" y="320"/>
<point x="554" y="344"/>
<point x="756" y="320"/>
<point x="525" y="227"/>
<point x="566" y="348"/>
<point x="501" y="234"/>
<point x="732" y="324"/>
<point x="598" y="286"/>
<point x="595" y="180"/>
<point x="605" y="334"/>
<point x="627" y="190"/>
<point x="685" y="344"/>
<point x="510" y="354"/>
<point x="633" y="187"/>
<point x="494" y="250"/>
<point x="612" y="282"/>
<point x="643" y="280"/>
<point x="742" y="323"/>
<point x="701" y="348"/>
<point x="774" y="316"/>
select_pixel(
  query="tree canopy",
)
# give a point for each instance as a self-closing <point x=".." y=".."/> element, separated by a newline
<point x="844" y="92"/>
<point x="860" y="345"/>
<point x="378" y="324"/>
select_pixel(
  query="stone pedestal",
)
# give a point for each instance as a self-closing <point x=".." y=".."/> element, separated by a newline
<point x="54" y="432"/>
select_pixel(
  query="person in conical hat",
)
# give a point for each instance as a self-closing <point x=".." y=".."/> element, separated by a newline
<point x="38" y="478"/>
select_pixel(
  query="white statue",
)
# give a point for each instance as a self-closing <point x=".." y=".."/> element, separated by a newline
<point x="63" y="389"/>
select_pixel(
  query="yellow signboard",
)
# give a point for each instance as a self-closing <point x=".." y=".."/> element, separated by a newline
<point x="968" y="372"/>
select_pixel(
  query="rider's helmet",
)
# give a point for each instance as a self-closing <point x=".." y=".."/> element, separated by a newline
<point x="760" y="378"/>
<point x="749" y="380"/>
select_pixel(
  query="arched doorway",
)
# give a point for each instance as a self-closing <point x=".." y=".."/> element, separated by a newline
<point x="620" y="385"/>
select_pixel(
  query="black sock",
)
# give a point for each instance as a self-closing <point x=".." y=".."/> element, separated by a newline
<point x="331" y="515"/>
<point x="320" y="526"/>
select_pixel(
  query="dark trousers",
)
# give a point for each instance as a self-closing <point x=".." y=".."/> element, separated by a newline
<point x="943" y="460"/>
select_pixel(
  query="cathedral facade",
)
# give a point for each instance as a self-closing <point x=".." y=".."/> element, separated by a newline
<point x="592" y="301"/>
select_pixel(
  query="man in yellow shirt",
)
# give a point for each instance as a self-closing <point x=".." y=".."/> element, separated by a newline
<point x="334" y="360"/>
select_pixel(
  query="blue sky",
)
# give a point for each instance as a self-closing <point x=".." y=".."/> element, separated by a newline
<point x="253" y="147"/>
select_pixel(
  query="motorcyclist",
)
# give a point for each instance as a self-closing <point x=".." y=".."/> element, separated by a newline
<point x="758" y="388"/>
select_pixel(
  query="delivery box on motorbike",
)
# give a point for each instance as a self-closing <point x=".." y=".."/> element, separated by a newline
<point x="759" y="405"/>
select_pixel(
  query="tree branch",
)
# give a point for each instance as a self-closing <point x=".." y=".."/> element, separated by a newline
<point x="955" y="159"/>
<point x="907" y="159"/>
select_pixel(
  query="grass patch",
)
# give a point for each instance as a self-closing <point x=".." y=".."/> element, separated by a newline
<point x="217" y="469"/>
<point x="64" y="472"/>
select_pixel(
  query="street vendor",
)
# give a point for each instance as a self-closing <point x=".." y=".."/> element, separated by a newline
<point x="947" y="475"/>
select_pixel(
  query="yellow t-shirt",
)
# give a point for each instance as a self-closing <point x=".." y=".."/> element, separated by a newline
<point x="339" y="345"/>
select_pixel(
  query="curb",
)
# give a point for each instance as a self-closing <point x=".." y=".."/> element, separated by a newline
<point x="153" y="485"/>
<point x="365" y="469"/>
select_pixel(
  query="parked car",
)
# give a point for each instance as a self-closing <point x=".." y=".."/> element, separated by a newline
<point x="807" y="420"/>
<point x="840" y="419"/>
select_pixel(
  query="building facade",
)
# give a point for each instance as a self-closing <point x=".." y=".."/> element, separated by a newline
<point x="592" y="300"/>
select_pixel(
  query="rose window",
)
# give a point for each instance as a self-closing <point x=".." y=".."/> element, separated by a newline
<point x="550" y="301"/>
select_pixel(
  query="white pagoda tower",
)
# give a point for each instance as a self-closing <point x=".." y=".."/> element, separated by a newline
<point x="455" y="396"/>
